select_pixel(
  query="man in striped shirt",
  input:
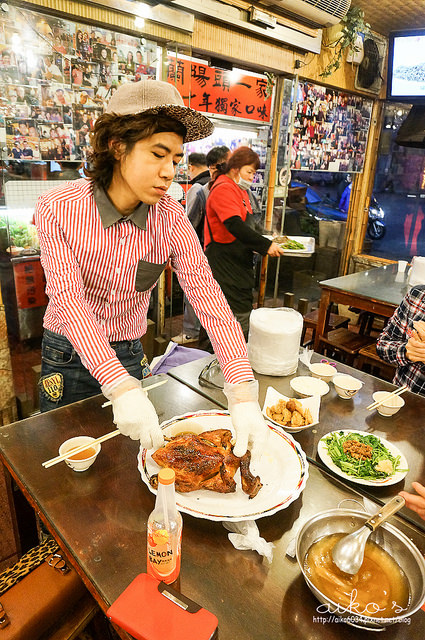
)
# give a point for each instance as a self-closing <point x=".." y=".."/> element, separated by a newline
<point x="104" y="242"/>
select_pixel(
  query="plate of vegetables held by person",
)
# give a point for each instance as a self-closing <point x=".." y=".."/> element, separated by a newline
<point x="214" y="484"/>
<point x="295" y="245"/>
<point x="362" y="457"/>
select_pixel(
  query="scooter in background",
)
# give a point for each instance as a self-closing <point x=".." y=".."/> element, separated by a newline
<point x="375" y="225"/>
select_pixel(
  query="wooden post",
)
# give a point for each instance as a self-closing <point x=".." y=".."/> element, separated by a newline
<point x="358" y="212"/>
<point x="272" y="180"/>
<point x="160" y="316"/>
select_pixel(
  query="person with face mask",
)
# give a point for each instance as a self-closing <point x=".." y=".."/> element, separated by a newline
<point x="230" y="240"/>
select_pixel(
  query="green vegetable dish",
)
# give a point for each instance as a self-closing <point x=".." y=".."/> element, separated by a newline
<point x="293" y="245"/>
<point x="361" y="456"/>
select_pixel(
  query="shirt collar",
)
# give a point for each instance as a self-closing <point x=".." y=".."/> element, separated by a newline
<point x="110" y="215"/>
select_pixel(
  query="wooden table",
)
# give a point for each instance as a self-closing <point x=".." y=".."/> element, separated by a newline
<point x="378" y="291"/>
<point x="405" y="429"/>
<point x="99" y="519"/>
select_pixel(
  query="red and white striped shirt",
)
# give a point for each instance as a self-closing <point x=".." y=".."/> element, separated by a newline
<point x="91" y="279"/>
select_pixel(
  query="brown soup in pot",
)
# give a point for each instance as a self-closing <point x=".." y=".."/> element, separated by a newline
<point x="379" y="590"/>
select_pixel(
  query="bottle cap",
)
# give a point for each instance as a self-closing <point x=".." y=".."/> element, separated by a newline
<point x="166" y="476"/>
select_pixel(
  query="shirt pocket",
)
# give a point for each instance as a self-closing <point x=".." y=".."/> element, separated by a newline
<point x="147" y="274"/>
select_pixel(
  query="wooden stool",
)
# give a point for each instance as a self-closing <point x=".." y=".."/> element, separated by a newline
<point x="344" y="343"/>
<point x="368" y="357"/>
<point x="310" y="322"/>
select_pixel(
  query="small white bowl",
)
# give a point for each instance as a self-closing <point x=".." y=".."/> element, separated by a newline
<point x="322" y="370"/>
<point x="85" y="462"/>
<point x="391" y="406"/>
<point x="305" y="386"/>
<point x="346" y="386"/>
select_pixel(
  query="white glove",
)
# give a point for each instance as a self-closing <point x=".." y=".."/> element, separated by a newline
<point x="250" y="427"/>
<point x="134" y="413"/>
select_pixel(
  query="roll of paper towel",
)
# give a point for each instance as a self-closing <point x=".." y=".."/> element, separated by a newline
<point x="417" y="271"/>
<point x="274" y="340"/>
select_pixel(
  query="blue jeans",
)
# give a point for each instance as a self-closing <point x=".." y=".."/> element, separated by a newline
<point x="64" y="379"/>
<point x="191" y="324"/>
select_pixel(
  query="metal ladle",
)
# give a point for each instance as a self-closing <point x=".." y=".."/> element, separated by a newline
<point x="348" y="553"/>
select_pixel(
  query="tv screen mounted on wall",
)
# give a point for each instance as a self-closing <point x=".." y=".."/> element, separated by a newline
<point x="406" y="66"/>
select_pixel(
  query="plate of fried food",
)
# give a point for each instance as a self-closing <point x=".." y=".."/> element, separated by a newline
<point x="214" y="484"/>
<point x="291" y="414"/>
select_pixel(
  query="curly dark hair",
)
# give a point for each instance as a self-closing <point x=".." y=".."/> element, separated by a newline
<point x="127" y="130"/>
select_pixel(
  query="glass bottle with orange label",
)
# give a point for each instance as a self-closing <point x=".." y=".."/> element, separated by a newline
<point x="165" y="531"/>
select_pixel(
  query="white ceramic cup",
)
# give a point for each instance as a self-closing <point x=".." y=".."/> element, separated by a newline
<point x="402" y="264"/>
<point x="83" y="463"/>
<point x="322" y="370"/>
<point x="389" y="408"/>
<point x="346" y="386"/>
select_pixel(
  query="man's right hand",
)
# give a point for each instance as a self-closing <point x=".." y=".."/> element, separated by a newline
<point x="134" y="413"/>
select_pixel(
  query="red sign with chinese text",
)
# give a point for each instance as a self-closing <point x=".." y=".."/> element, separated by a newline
<point x="215" y="91"/>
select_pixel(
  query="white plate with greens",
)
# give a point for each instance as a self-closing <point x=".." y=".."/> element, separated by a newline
<point x="371" y="471"/>
<point x="295" y="246"/>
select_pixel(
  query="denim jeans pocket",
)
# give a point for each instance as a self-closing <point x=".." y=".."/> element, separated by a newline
<point x="135" y="348"/>
<point x="54" y="356"/>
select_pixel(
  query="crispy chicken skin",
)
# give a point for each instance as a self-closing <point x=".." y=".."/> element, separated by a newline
<point x="206" y="461"/>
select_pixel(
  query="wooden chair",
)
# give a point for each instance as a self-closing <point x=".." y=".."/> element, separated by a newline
<point x="369" y="359"/>
<point x="342" y="344"/>
<point x="310" y="322"/>
<point x="310" y="318"/>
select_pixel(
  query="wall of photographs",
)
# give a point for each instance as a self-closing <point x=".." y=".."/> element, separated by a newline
<point x="55" y="76"/>
<point x="331" y="129"/>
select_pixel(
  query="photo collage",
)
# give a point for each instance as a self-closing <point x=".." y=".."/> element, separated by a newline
<point x="330" y="130"/>
<point x="56" y="77"/>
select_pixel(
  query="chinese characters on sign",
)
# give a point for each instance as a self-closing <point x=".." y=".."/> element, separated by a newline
<point x="214" y="91"/>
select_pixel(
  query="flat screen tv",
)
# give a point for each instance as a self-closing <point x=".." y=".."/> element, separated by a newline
<point x="406" y="66"/>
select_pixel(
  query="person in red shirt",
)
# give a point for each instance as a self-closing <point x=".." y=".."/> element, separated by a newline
<point x="230" y="240"/>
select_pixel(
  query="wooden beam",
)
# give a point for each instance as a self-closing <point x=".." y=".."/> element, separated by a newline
<point x="358" y="212"/>
<point x="271" y="185"/>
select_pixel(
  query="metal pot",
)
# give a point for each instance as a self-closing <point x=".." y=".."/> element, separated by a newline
<point x="398" y="545"/>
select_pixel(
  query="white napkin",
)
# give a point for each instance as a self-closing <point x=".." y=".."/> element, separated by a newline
<point x="246" y="536"/>
<point x="305" y="355"/>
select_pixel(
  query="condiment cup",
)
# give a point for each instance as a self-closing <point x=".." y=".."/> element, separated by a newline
<point x="73" y="443"/>
<point x="322" y="370"/>
<point x="391" y="406"/>
<point x="346" y="386"/>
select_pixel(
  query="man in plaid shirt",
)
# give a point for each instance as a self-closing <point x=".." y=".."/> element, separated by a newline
<point x="403" y="341"/>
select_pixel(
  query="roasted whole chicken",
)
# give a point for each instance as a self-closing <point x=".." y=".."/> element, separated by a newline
<point x="206" y="461"/>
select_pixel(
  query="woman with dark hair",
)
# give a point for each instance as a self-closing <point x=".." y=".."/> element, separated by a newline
<point x="230" y="240"/>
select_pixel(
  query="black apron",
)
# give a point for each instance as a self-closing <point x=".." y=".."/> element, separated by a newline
<point x="233" y="268"/>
